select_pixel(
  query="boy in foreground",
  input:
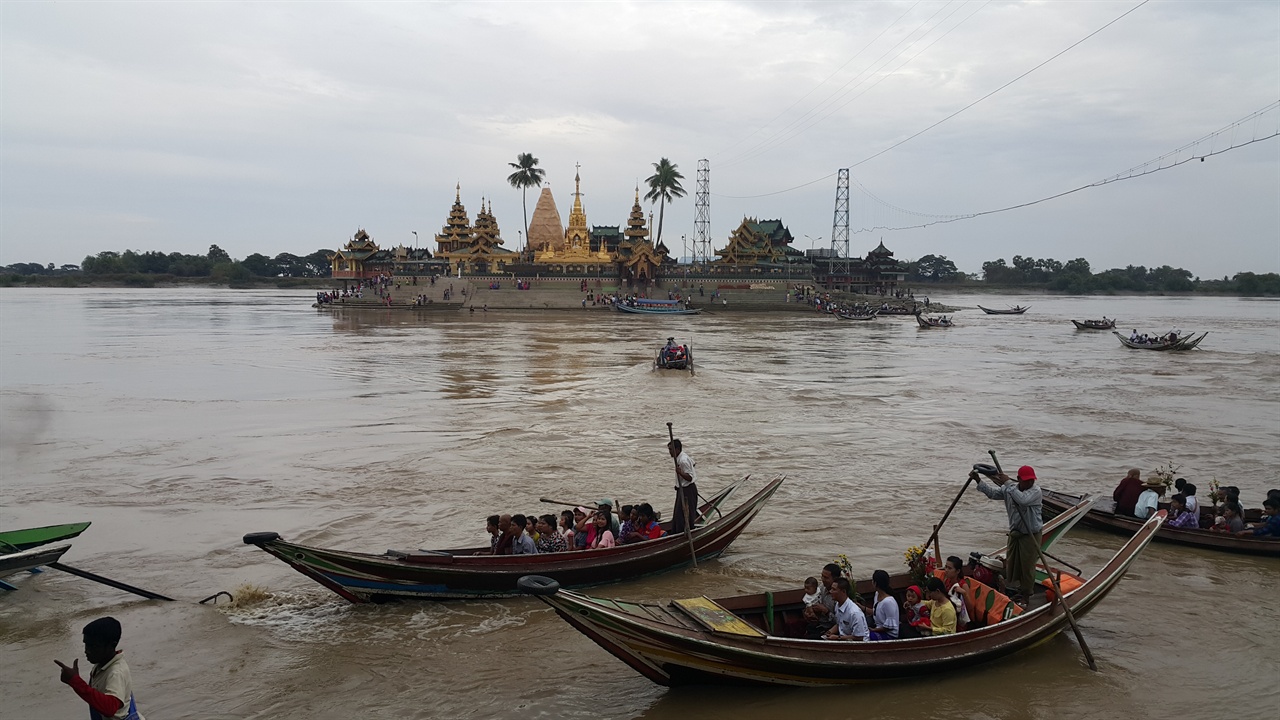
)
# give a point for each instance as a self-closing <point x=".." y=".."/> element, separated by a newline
<point x="109" y="691"/>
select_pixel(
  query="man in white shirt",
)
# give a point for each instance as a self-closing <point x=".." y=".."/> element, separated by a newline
<point x="1149" y="500"/>
<point x="686" y="488"/>
<point x="851" y="624"/>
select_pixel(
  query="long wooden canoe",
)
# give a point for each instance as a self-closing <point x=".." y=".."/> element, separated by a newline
<point x="1015" y="310"/>
<point x="32" y="558"/>
<point x="933" y="322"/>
<point x="1186" y="342"/>
<point x="35" y="537"/>
<point x="1095" y="324"/>
<point x="752" y="639"/>
<point x="444" y="574"/>
<point x="849" y="316"/>
<point x="1103" y="517"/>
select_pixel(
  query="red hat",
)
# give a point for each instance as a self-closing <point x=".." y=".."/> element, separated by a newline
<point x="1026" y="473"/>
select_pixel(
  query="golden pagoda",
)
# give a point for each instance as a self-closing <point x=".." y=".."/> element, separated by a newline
<point x="575" y="246"/>
<point x="456" y="233"/>
<point x="473" y="249"/>
<point x="546" y="234"/>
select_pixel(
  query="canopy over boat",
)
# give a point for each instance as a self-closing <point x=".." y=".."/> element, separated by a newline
<point x="35" y="537"/>
<point x="751" y="639"/>
<point x="1103" y="516"/>
<point x="441" y="574"/>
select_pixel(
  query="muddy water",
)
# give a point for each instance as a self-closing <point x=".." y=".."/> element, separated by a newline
<point x="179" y="420"/>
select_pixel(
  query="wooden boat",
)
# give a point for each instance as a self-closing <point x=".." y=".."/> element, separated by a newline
<point x="646" y="306"/>
<point x="1094" y="324"/>
<point x="847" y="316"/>
<point x="1186" y="342"/>
<point x="14" y="562"/>
<point x="1015" y="310"/>
<point x="674" y="357"/>
<point x="752" y="639"/>
<point x="1103" y="517"/>
<point x="35" y="537"/>
<point x="932" y="322"/>
<point x="441" y="574"/>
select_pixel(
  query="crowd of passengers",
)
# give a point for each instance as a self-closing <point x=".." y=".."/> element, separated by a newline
<point x="577" y="529"/>
<point x="1138" y="498"/>
<point x="833" y="611"/>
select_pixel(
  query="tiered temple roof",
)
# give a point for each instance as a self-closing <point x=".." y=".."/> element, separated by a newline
<point x="759" y="242"/>
<point x="637" y="257"/>
<point x="456" y="233"/>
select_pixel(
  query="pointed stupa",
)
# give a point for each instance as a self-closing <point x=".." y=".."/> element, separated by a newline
<point x="545" y="229"/>
<point x="577" y="235"/>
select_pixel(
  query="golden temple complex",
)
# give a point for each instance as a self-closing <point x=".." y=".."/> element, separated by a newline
<point x="572" y="251"/>
<point x="471" y="248"/>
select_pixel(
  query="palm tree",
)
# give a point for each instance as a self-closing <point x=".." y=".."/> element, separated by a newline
<point x="527" y="175"/>
<point x="664" y="186"/>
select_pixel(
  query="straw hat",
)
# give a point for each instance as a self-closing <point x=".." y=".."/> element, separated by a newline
<point x="1153" y="483"/>
<point x="991" y="562"/>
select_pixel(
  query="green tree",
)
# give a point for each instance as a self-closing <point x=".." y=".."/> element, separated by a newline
<point x="936" y="268"/>
<point x="260" y="265"/>
<point x="527" y="175"/>
<point x="664" y="186"/>
<point x="218" y="255"/>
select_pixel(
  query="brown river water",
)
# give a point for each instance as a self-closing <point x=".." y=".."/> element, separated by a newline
<point x="178" y="420"/>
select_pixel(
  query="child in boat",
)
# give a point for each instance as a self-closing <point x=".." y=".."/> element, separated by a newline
<point x="109" y="691"/>
<point x="915" y="614"/>
<point x="1270" y="527"/>
<point x="566" y="528"/>
<point x="581" y="527"/>
<point x="1230" y="520"/>
<point x="942" y="614"/>
<point x="1182" y="517"/>
<point x="811" y="594"/>
<point x="601" y="536"/>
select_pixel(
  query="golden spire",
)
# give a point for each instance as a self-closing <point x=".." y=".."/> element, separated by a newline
<point x="458" y="195"/>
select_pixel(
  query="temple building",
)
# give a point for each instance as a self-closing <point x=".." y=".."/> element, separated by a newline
<point x="572" y="252"/>
<point x="472" y="249"/>
<point x="877" y="271"/>
<point x="361" y="259"/>
<point x="637" y="258"/>
<point x="758" y="246"/>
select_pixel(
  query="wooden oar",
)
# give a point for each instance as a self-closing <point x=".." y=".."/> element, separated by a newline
<point x="1057" y="587"/>
<point x="108" y="581"/>
<point x="947" y="514"/>
<point x="589" y="505"/>
<point x="671" y="436"/>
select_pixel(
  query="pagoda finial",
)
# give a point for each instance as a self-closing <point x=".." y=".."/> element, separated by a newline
<point x="577" y="178"/>
<point x="637" y="193"/>
<point x="458" y="194"/>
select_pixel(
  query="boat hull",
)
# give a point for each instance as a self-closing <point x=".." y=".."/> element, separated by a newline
<point x="28" y="559"/>
<point x="35" y="537"/>
<point x="1094" y="325"/>
<point x="460" y="574"/>
<point x="1010" y="311"/>
<point x="652" y="641"/>
<point x="1054" y="502"/>
<point x="1188" y="342"/>
<point x="647" y="311"/>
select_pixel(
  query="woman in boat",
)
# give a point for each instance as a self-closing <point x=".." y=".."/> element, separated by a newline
<point x="942" y="614"/>
<point x="549" y="539"/>
<point x="885" y="614"/>
<point x="1231" y="520"/>
<point x="581" y="528"/>
<point x="566" y="527"/>
<point x="954" y="580"/>
<point x="1182" y="517"/>
<point x="601" y="535"/>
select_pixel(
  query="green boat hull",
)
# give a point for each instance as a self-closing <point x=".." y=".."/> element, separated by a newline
<point x="17" y="540"/>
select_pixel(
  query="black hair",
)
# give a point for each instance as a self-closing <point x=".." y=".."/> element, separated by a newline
<point x="104" y="630"/>
<point x="1188" y="489"/>
<point x="1180" y="483"/>
<point x="493" y="520"/>
<point x="1234" y="507"/>
<point x="626" y="510"/>
<point x="843" y="584"/>
<point x="833" y="568"/>
<point x="550" y="520"/>
<point x="881" y="580"/>
<point x="567" y="515"/>
<point x="956" y="561"/>
<point x="520" y="520"/>
<point x="1179" y="498"/>
<point x="676" y="444"/>
<point x="646" y="510"/>
<point x="933" y="583"/>
<point x="1271" y="503"/>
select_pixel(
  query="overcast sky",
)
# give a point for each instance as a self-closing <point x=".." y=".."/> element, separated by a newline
<point x="284" y="127"/>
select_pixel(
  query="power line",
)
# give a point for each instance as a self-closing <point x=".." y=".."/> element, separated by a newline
<point x="952" y="115"/>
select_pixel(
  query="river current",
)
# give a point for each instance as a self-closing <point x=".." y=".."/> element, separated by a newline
<point x="177" y="420"/>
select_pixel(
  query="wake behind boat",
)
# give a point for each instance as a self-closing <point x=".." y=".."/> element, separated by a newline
<point x="444" y="574"/>
<point x="759" y="639"/>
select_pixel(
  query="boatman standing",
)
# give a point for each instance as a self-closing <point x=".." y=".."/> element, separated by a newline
<point x="686" y="488"/>
<point x="1022" y="502"/>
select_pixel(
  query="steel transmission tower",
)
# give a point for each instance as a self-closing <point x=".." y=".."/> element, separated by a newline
<point x="702" y="215"/>
<point x="840" y="264"/>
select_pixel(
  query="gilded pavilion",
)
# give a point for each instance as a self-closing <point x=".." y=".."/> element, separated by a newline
<point x="759" y="244"/>
<point x="472" y="248"/>
<point x="570" y="250"/>
<point x="637" y="258"/>
<point x="361" y="258"/>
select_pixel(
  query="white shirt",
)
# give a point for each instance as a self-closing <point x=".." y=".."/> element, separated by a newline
<point x="1193" y="504"/>
<point x="1148" y="502"/>
<point x="685" y="463"/>
<point x="112" y="678"/>
<point x="850" y="622"/>
<point x="886" y="615"/>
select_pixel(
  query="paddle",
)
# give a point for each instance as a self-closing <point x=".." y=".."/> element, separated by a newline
<point x="1057" y="588"/>
<point x="566" y="503"/>
<point x="108" y="581"/>
<point x="680" y="507"/>
<point x="947" y="514"/>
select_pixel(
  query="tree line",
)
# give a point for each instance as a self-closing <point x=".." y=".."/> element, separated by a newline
<point x="217" y="264"/>
<point x="1077" y="277"/>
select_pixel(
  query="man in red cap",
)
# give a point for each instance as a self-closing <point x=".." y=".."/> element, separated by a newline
<point x="1022" y="502"/>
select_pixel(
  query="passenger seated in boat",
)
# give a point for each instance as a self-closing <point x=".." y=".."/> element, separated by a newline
<point x="1127" y="492"/>
<point x="521" y="543"/>
<point x="606" y="505"/>
<point x="566" y="528"/>
<point x="954" y="580"/>
<point x="942" y="614"/>
<point x="850" y="624"/>
<point x="885" y="614"/>
<point x="1188" y="491"/>
<point x="811" y="594"/>
<point x="506" y="530"/>
<point x="1270" y="527"/>
<point x="601" y="536"/>
<point x="646" y="526"/>
<point x="1231" y="520"/>
<point x="627" y="526"/>
<point x="532" y="527"/>
<point x="1149" y="500"/>
<point x="819" y="615"/>
<point x="491" y="527"/>
<point x="1181" y="516"/>
<point x="582" y="525"/>
<point x="549" y="539"/>
<point x="915" y="613"/>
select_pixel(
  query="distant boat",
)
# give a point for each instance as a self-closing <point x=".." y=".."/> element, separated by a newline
<point x="932" y="322"/>
<point x="1015" y="310"/>
<point x="859" y="316"/>
<point x="645" y="306"/>
<point x="674" y="357"/>
<point x="1185" y="342"/>
<point x="1095" y="324"/>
